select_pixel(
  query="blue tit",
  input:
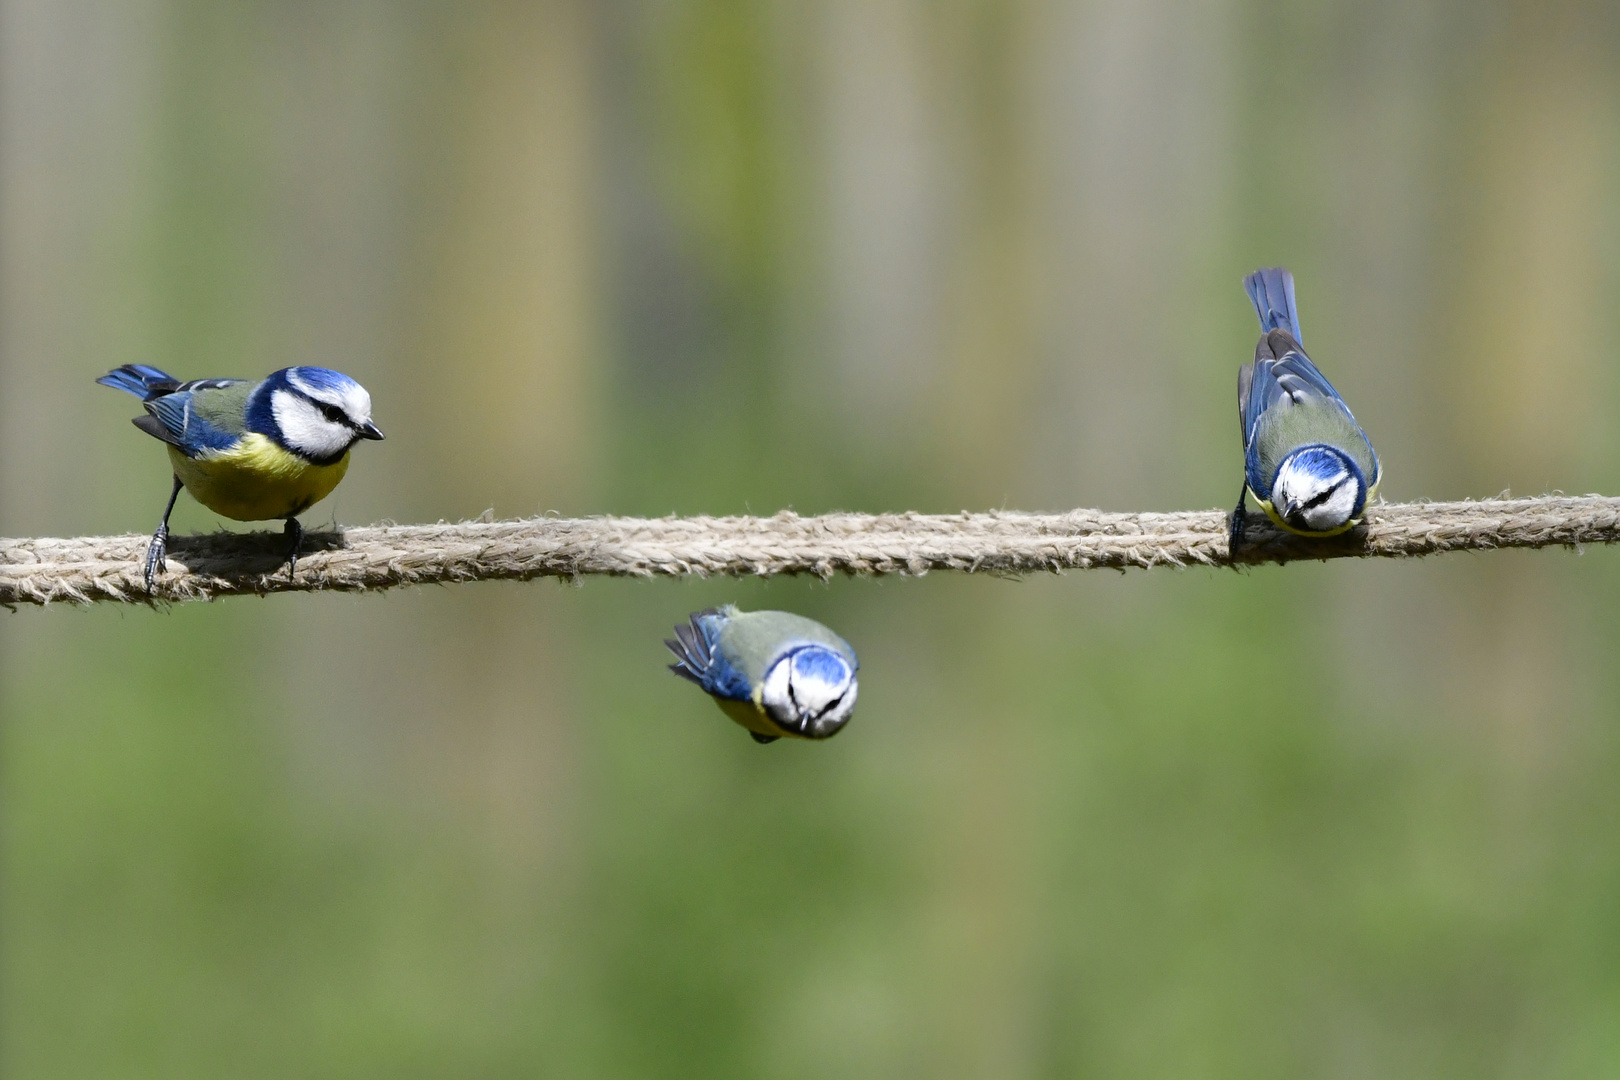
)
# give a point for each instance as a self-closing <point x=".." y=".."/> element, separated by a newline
<point x="252" y="451"/>
<point x="775" y="673"/>
<point x="1306" y="460"/>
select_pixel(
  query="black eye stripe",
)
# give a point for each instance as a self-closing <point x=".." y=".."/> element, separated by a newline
<point x="1322" y="497"/>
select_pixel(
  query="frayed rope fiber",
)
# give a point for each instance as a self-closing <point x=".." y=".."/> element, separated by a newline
<point x="87" y="569"/>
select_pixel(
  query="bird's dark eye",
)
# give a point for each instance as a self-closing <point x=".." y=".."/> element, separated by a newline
<point x="333" y="413"/>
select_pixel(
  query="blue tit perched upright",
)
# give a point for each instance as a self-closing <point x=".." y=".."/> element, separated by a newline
<point x="1306" y="460"/>
<point x="252" y="451"/>
<point x="775" y="673"/>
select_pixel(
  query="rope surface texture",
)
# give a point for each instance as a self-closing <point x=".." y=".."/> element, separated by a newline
<point x="200" y="567"/>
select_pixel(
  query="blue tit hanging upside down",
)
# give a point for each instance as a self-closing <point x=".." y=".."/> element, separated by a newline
<point x="1305" y="459"/>
<point x="252" y="451"/>
<point x="775" y="673"/>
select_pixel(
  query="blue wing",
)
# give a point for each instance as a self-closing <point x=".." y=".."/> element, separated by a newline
<point x="1291" y="376"/>
<point x="698" y="658"/>
<point x="1281" y="368"/>
<point x="178" y="424"/>
<point x="1284" y="382"/>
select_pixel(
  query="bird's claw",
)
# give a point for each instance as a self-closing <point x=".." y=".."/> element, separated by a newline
<point x="1234" y="536"/>
<point x="156" y="553"/>
<point x="294" y="532"/>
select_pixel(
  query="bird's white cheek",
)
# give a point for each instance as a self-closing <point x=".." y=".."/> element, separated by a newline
<point x="774" y="695"/>
<point x="305" y="430"/>
<point x="1335" y="510"/>
<point x="839" y="714"/>
<point x="1296" y="485"/>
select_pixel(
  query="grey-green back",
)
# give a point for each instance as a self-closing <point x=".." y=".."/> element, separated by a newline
<point x="751" y="640"/>
<point x="1286" y="427"/>
<point x="224" y="407"/>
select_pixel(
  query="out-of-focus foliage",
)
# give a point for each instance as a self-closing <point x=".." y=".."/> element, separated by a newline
<point x="707" y="256"/>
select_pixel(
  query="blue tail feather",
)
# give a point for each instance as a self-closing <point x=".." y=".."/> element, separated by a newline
<point x="1272" y="292"/>
<point x="141" y="380"/>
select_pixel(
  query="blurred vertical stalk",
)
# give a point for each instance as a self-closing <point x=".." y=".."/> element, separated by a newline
<point x="504" y="294"/>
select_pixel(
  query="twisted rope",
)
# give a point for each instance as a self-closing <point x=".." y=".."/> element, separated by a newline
<point x="87" y="569"/>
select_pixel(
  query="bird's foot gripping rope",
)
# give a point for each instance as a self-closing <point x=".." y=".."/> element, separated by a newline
<point x="294" y="532"/>
<point x="86" y="569"/>
<point x="1238" y="521"/>
<point x="157" y="550"/>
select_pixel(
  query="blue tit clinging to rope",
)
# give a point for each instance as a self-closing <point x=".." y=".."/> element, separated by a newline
<point x="775" y="673"/>
<point x="1305" y="459"/>
<point x="252" y="451"/>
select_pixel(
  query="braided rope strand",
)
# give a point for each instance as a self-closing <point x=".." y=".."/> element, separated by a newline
<point x="88" y="569"/>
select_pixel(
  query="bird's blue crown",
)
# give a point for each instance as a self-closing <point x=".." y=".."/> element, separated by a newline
<point x="1321" y="462"/>
<point x="821" y="662"/>
<point x="311" y="381"/>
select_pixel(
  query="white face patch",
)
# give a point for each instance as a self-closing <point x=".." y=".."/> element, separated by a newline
<point x="1320" y="501"/>
<point x="305" y="430"/>
<point x="351" y="397"/>
<point x="811" y="690"/>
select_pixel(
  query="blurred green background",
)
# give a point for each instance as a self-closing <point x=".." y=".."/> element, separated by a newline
<point x="654" y="256"/>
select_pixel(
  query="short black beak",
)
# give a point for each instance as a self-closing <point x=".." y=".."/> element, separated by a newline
<point x="368" y="430"/>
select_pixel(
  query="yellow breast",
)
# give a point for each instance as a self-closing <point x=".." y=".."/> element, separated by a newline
<point x="256" y="480"/>
<point x="751" y="715"/>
